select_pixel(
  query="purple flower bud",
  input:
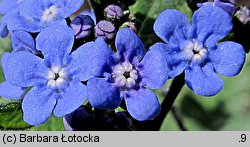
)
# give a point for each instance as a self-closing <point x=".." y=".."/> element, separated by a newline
<point x="105" y="29"/>
<point x="113" y="12"/>
<point x="83" y="26"/>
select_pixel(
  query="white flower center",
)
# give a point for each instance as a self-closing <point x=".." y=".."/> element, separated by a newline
<point x="195" y="51"/>
<point x="49" y="13"/>
<point x="56" y="77"/>
<point x="124" y="75"/>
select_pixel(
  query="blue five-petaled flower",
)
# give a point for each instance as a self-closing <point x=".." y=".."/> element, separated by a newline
<point x="194" y="48"/>
<point x="129" y="73"/>
<point x="56" y="79"/>
<point x="35" y="15"/>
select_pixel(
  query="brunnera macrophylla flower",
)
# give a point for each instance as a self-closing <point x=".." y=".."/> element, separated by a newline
<point x="21" y="41"/>
<point x="35" y="15"/>
<point x="195" y="50"/>
<point x="8" y="8"/>
<point x="129" y="73"/>
<point x="56" y="79"/>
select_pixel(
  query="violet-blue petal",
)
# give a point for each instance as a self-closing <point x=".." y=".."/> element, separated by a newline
<point x="228" y="59"/>
<point x="24" y="69"/>
<point x="211" y="24"/>
<point x="7" y="5"/>
<point x="55" y="42"/>
<point x="102" y="94"/>
<point x="178" y="59"/>
<point x="17" y="22"/>
<point x="68" y="7"/>
<point x="154" y="68"/>
<point x="5" y="57"/>
<point x="23" y="41"/>
<point x="129" y="46"/>
<point x="90" y="59"/>
<point x="142" y="104"/>
<point x="33" y="9"/>
<point x="10" y="91"/>
<point x="171" y="25"/>
<point x="228" y="6"/>
<point x="72" y="98"/>
<point x="203" y="80"/>
<point x="38" y="105"/>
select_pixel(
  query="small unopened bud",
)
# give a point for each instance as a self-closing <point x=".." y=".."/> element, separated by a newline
<point x="105" y="29"/>
<point x="113" y="12"/>
<point x="83" y="26"/>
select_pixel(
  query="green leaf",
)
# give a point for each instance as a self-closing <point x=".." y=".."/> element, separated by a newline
<point x="11" y="115"/>
<point x="146" y="11"/>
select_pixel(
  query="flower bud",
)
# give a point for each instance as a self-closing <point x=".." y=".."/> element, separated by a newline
<point x="83" y="26"/>
<point x="113" y="12"/>
<point x="105" y="29"/>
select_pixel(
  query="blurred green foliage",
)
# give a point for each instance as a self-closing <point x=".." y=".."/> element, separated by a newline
<point x="229" y="110"/>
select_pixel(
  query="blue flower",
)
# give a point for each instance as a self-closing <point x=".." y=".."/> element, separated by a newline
<point x="56" y="79"/>
<point x="35" y="15"/>
<point x="128" y="74"/>
<point x="194" y="48"/>
<point x="21" y="41"/>
<point x="7" y="9"/>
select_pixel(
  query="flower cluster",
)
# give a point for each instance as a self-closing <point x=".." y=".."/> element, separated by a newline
<point x="57" y="64"/>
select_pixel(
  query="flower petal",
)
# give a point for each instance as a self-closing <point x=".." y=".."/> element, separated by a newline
<point x="228" y="58"/>
<point x="10" y="91"/>
<point x="171" y="25"/>
<point x="89" y="59"/>
<point x="74" y="96"/>
<point x="24" y="69"/>
<point x="38" y="104"/>
<point x="55" y="42"/>
<point x="142" y="104"/>
<point x="129" y="46"/>
<point x="23" y="41"/>
<point x="17" y="22"/>
<point x="211" y="24"/>
<point x="7" y="5"/>
<point x="102" y="94"/>
<point x="203" y="80"/>
<point x="5" y="57"/>
<point x="154" y="68"/>
<point x="68" y="7"/>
